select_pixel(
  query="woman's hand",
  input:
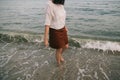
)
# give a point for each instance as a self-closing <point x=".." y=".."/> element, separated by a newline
<point x="46" y="42"/>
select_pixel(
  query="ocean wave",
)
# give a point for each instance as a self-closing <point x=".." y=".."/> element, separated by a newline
<point x="73" y="42"/>
<point x="8" y="38"/>
<point x="20" y="37"/>
<point x="99" y="44"/>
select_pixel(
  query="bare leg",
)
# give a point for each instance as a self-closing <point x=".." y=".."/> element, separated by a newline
<point x="58" y="55"/>
<point x="63" y="49"/>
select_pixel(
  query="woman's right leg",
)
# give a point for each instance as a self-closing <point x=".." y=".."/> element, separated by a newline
<point x="59" y="52"/>
<point x="58" y="56"/>
<point x="63" y="49"/>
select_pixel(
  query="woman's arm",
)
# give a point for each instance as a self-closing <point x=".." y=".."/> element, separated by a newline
<point x="46" y="33"/>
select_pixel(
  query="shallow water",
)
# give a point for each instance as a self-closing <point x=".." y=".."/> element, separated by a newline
<point x="32" y="61"/>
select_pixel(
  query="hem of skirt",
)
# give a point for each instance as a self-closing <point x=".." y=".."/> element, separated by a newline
<point x="58" y="47"/>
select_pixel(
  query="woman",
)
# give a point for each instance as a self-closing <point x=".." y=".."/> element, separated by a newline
<point x="55" y="27"/>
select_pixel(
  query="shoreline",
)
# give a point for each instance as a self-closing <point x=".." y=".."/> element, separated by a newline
<point x="29" y="61"/>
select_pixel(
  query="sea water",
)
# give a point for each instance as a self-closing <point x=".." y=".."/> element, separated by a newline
<point x="94" y="39"/>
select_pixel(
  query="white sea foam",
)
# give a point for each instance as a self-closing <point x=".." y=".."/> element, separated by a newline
<point x="46" y="62"/>
<point x="9" y="57"/>
<point x="102" y="45"/>
<point x="19" y="78"/>
<point x="28" y="76"/>
<point x="103" y="72"/>
<point x="37" y="40"/>
<point x="36" y="64"/>
<point x="5" y="46"/>
<point x="96" y="75"/>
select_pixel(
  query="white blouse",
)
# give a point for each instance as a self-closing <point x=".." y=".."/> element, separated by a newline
<point x="55" y="15"/>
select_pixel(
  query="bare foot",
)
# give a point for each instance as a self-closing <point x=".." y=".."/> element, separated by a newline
<point x="62" y="59"/>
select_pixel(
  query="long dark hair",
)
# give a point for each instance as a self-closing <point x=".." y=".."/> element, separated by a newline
<point x="58" y="2"/>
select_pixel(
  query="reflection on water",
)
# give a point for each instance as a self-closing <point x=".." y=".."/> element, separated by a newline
<point x="31" y="61"/>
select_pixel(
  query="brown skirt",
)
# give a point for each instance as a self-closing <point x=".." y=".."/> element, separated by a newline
<point x="58" y="38"/>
